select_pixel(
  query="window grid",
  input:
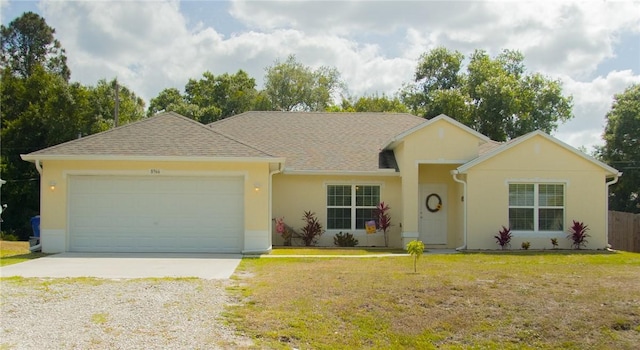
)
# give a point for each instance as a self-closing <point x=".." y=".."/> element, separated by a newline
<point x="536" y="207"/>
<point x="350" y="206"/>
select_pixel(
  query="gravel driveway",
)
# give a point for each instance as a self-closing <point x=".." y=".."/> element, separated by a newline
<point x="115" y="314"/>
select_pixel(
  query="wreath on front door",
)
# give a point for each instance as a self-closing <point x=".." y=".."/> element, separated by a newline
<point x="438" y="206"/>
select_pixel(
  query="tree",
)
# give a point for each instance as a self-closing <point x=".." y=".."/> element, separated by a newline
<point x="102" y="97"/>
<point x="292" y="86"/>
<point x="416" y="249"/>
<point x="371" y="103"/>
<point x="38" y="111"/>
<point x="210" y="98"/>
<point x="493" y="96"/>
<point x="622" y="149"/>
<point x="28" y="42"/>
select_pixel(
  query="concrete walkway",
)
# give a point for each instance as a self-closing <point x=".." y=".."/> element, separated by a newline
<point x="126" y="266"/>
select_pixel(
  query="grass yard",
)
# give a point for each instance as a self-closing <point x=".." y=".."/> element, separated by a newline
<point x="536" y="300"/>
<point x="15" y="252"/>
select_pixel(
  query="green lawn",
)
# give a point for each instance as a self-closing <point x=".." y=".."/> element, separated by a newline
<point x="16" y="252"/>
<point x="537" y="300"/>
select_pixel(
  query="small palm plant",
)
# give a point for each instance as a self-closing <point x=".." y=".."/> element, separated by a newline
<point x="416" y="249"/>
<point x="504" y="237"/>
<point x="578" y="234"/>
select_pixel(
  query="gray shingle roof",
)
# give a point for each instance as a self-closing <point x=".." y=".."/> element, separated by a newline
<point x="164" y="135"/>
<point x="319" y="141"/>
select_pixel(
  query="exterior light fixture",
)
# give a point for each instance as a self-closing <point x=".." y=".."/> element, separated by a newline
<point x="52" y="185"/>
<point x="256" y="187"/>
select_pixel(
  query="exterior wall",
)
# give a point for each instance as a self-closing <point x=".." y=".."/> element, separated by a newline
<point x="438" y="143"/>
<point x="295" y="194"/>
<point x="441" y="174"/>
<point x="536" y="160"/>
<point x="54" y="212"/>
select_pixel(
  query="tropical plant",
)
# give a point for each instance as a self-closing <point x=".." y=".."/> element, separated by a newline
<point x="282" y="230"/>
<point x="383" y="220"/>
<point x="578" y="234"/>
<point x="312" y="229"/>
<point x="554" y="243"/>
<point x="416" y="249"/>
<point x="525" y="245"/>
<point x="345" y="240"/>
<point x="504" y="237"/>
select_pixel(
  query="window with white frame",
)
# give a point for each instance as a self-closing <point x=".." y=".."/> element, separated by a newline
<point x="536" y="206"/>
<point x="350" y="206"/>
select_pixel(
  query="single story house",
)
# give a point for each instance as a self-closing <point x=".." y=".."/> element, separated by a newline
<point x="170" y="184"/>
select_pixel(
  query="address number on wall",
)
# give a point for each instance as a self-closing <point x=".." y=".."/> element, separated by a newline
<point x="154" y="171"/>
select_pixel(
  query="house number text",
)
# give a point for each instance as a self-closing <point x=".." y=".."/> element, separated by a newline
<point x="154" y="171"/>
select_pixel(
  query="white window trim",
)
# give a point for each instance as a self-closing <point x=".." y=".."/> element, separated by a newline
<point x="536" y="232"/>
<point x="353" y="206"/>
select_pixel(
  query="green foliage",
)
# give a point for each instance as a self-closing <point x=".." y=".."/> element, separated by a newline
<point x="28" y="43"/>
<point x="504" y="237"/>
<point x="578" y="234"/>
<point x="554" y="243"/>
<point x="525" y="245"/>
<point x="622" y="151"/>
<point x="210" y="98"/>
<point x="292" y="86"/>
<point x="6" y="236"/>
<point x="312" y="229"/>
<point x="493" y="96"/>
<point x="415" y="248"/>
<point x="371" y="103"/>
<point x="344" y="240"/>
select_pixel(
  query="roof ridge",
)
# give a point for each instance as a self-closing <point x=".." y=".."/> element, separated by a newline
<point x="238" y="141"/>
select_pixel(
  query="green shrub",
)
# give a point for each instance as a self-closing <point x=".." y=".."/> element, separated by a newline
<point x="554" y="243"/>
<point x="525" y="245"/>
<point x="344" y="240"/>
<point x="6" y="236"/>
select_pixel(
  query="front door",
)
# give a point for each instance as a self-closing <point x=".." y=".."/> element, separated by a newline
<point x="433" y="213"/>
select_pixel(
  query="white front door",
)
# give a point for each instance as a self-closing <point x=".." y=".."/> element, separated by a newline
<point x="433" y="213"/>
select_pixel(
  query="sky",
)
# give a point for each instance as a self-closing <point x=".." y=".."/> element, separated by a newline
<point x="592" y="47"/>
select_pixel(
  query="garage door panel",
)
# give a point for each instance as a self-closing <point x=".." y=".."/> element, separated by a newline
<point x="142" y="214"/>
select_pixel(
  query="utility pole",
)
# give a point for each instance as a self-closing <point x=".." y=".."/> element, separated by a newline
<point x="116" y="110"/>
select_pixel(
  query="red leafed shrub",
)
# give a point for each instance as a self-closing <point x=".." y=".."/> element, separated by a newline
<point x="383" y="220"/>
<point x="578" y="234"/>
<point x="311" y="230"/>
<point x="504" y="237"/>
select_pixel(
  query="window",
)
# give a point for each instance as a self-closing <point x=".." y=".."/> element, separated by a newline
<point x="536" y="207"/>
<point x="350" y="206"/>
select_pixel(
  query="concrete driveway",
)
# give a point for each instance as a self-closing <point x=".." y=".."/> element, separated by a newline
<point x="127" y="265"/>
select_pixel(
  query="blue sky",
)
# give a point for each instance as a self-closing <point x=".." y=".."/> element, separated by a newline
<point x="593" y="47"/>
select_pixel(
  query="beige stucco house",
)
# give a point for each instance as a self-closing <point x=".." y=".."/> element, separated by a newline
<point x="170" y="184"/>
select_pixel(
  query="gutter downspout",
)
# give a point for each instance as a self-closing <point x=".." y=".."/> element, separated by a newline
<point x="455" y="173"/>
<point x="271" y="173"/>
<point x="606" y="218"/>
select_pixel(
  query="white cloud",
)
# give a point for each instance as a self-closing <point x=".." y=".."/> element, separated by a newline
<point x="592" y="101"/>
<point x="152" y="45"/>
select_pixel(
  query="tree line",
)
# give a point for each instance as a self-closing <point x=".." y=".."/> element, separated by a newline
<point x="41" y="107"/>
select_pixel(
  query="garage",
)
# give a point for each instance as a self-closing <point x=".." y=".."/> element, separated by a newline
<point x="156" y="214"/>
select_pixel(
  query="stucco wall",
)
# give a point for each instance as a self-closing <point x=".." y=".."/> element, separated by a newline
<point x="536" y="160"/>
<point x="295" y="194"/>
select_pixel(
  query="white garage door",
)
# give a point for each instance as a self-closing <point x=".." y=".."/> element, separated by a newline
<point x="156" y="214"/>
